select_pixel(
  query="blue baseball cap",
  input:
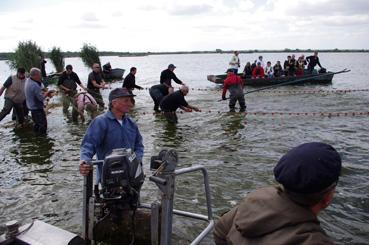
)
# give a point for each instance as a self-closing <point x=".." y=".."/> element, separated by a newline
<point x="309" y="168"/>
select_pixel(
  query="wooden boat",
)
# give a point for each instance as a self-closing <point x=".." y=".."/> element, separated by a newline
<point x="321" y="78"/>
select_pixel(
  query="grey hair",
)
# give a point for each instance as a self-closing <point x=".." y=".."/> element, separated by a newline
<point x="34" y="71"/>
<point x="184" y="88"/>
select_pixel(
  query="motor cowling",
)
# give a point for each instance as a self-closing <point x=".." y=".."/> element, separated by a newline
<point x="122" y="176"/>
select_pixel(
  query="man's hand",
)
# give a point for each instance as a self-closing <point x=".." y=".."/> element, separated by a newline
<point x="84" y="168"/>
<point x="186" y="109"/>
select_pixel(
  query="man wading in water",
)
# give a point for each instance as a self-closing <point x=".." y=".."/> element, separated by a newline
<point x="173" y="101"/>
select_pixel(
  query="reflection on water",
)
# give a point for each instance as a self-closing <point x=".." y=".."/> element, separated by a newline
<point x="39" y="176"/>
<point x="33" y="149"/>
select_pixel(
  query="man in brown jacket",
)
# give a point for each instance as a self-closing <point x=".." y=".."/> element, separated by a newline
<point x="286" y="214"/>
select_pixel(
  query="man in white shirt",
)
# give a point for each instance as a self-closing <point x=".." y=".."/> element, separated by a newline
<point x="234" y="64"/>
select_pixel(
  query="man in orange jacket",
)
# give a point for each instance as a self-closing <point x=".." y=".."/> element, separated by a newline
<point x="234" y="84"/>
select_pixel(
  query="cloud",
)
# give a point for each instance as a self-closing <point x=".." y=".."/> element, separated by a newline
<point x="327" y="8"/>
<point x="117" y="13"/>
<point x="190" y="9"/>
<point x="89" y="25"/>
<point x="89" y="17"/>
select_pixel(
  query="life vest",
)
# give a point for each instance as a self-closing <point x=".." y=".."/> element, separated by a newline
<point x="15" y="91"/>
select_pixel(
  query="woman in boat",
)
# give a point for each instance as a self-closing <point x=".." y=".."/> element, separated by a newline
<point x="301" y="62"/>
<point x="247" y="71"/>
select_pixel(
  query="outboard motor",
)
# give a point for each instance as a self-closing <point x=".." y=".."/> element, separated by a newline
<point x="114" y="203"/>
<point x="122" y="178"/>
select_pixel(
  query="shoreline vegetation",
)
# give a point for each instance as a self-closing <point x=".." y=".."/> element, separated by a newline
<point x="69" y="54"/>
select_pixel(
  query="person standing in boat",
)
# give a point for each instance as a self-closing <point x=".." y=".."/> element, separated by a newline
<point x="278" y="70"/>
<point x="95" y="83"/>
<point x="175" y="100"/>
<point x="112" y="130"/>
<point x="167" y="76"/>
<point x="235" y="63"/>
<point x="14" y="96"/>
<point x="157" y="93"/>
<point x="286" y="214"/>
<point x="313" y="60"/>
<point x="234" y="84"/>
<point x="260" y="59"/>
<point x="287" y="66"/>
<point x="67" y="83"/>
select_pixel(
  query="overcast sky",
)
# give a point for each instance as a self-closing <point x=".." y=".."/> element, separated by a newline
<point x="165" y="25"/>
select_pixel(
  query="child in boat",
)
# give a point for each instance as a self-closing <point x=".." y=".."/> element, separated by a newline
<point x="269" y="70"/>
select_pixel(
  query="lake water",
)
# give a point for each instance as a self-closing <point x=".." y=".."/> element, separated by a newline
<point x="39" y="176"/>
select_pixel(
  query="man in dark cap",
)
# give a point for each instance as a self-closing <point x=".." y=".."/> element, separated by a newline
<point x="286" y="214"/>
<point x="111" y="130"/>
<point x="166" y="77"/>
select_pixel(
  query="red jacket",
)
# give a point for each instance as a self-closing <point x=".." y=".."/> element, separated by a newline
<point x="232" y="79"/>
<point x="258" y="72"/>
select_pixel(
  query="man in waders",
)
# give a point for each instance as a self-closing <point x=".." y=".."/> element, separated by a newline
<point x="35" y="95"/>
<point x="68" y="85"/>
<point x="234" y="84"/>
<point x="157" y="93"/>
<point x="95" y="83"/>
<point x="14" y="96"/>
<point x="173" y="101"/>
<point x="286" y="214"/>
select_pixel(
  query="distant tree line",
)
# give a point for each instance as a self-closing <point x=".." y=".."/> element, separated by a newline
<point x="67" y="54"/>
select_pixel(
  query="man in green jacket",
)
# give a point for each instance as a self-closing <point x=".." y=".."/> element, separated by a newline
<point x="286" y="214"/>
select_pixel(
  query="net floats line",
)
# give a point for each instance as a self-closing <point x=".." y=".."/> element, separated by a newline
<point x="320" y="91"/>
<point x="271" y="114"/>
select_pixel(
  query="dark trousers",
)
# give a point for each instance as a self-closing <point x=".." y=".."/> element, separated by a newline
<point x="156" y="96"/>
<point x="39" y="120"/>
<point x="18" y="108"/>
<point x="97" y="96"/>
<point x="171" y="116"/>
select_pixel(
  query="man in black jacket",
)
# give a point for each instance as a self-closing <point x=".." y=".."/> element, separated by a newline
<point x="166" y="77"/>
<point x="130" y="80"/>
<point x="313" y="61"/>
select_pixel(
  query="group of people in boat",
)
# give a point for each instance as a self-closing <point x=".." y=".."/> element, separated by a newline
<point x="291" y="66"/>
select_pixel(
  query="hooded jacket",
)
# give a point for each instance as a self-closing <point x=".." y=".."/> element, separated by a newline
<point x="268" y="216"/>
<point x="233" y="83"/>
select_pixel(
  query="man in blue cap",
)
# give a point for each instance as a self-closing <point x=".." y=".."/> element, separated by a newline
<point x="286" y="214"/>
<point x="111" y="130"/>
